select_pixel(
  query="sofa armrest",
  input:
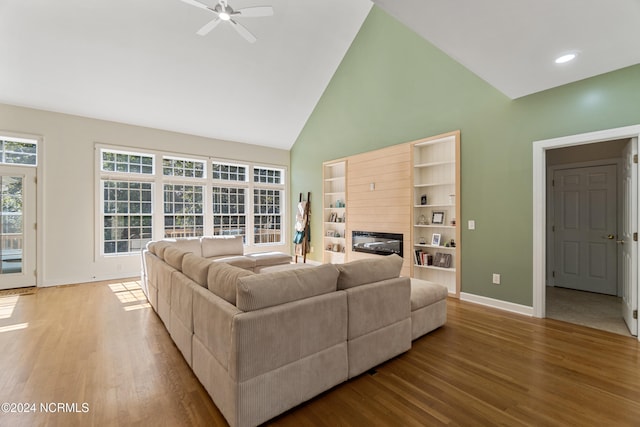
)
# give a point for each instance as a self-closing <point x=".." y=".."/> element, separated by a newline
<point x="212" y="320"/>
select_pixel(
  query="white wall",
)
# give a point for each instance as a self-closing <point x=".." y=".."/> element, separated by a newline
<point x="66" y="213"/>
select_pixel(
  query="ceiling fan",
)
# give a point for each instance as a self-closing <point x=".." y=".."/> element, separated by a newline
<point x="224" y="12"/>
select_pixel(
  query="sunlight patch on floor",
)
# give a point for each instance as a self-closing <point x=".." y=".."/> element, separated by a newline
<point x="130" y="294"/>
<point x="15" y="327"/>
<point x="7" y="305"/>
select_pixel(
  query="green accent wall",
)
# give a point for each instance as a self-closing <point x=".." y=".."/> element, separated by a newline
<point x="394" y="87"/>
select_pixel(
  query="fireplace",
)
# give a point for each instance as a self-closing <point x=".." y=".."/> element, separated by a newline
<point x="376" y="243"/>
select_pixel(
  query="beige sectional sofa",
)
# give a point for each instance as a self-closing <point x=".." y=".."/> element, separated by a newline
<point x="263" y="341"/>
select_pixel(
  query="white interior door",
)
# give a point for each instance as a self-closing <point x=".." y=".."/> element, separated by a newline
<point x="629" y="247"/>
<point x="585" y="221"/>
<point x="17" y="227"/>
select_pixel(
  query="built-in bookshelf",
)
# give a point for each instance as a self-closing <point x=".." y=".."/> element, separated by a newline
<point x="436" y="191"/>
<point x="334" y="211"/>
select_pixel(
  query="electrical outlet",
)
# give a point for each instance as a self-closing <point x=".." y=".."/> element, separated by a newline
<point x="472" y="224"/>
<point x="496" y="279"/>
<point x="311" y="249"/>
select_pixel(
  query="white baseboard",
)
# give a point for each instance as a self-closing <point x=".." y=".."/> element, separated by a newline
<point x="496" y="303"/>
<point x="77" y="280"/>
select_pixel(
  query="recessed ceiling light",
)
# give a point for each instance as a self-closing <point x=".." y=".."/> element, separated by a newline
<point x="566" y="58"/>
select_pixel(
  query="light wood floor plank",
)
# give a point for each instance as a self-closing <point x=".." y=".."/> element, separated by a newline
<point x="100" y="343"/>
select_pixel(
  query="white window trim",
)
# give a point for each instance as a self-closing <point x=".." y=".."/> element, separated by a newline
<point x="9" y="136"/>
<point x="158" y="180"/>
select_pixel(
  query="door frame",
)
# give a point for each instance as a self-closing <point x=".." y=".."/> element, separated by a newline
<point x="39" y="214"/>
<point x="540" y="203"/>
<point x="550" y="170"/>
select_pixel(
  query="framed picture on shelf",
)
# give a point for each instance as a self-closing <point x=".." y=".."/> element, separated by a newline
<point x="442" y="260"/>
<point x="435" y="239"/>
<point x="437" y="217"/>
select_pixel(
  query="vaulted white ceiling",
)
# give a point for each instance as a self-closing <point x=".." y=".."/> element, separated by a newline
<point x="512" y="44"/>
<point x="141" y="62"/>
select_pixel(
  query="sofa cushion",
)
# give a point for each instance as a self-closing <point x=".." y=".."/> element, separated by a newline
<point x="223" y="278"/>
<point x="424" y="293"/>
<point x="173" y="256"/>
<point x="266" y="290"/>
<point x="360" y="272"/>
<point x="215" y="246"/>
<point x="196" y="268"/>
<point x="281" y="267"/>
<point x="236" y="260"/>
<point x="270" y="258"/>
<point x="151" y="246"/>
<point x="189" y="244"/>
<point x="160" y="247"/>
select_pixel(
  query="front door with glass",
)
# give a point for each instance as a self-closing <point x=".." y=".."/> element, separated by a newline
<point x="17" y="227"/>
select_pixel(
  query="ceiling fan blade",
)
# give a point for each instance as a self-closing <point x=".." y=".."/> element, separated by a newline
<point x="208" y="27"/>
<point x="243" y="31"/>
<point x="196" y="3"/>
<point x="254" y="12"/>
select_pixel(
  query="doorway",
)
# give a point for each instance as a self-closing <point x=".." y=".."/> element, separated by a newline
<point x="626" y="271"/>
<point x="17" y="227"/>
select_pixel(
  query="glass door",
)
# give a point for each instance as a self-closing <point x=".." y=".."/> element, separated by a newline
<point x="17" y="227"/>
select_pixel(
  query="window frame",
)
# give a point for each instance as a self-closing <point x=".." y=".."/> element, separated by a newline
<point x="251" y="186"/>
<point x="6" y="137"/>
<point x="159" y="180"/>
<point x="119" y="176"/>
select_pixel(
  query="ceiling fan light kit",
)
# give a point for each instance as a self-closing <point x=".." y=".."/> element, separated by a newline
<point x="224" y="12"/>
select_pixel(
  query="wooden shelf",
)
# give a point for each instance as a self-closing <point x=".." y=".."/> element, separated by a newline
<point x="436" y="176"/>
<point x="445" y="140"/>
<point x="433" y="184"/>
<point x="444" y="205"/>
<point x="334" y="190"/>
<point x="446" y="248"/>
<point x="431" y="164"/>
<point x="432" y="267"/>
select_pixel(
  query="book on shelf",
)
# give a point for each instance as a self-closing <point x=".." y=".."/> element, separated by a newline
<point x="422" y="258"/>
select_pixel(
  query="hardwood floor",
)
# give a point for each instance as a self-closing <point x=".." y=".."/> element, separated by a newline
<point x="102" y="345"/>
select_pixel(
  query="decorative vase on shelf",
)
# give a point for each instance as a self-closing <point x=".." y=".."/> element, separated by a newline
<point x="422" y="220"/>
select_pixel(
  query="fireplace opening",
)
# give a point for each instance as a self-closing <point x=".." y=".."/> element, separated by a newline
<point x="377" y="243"/>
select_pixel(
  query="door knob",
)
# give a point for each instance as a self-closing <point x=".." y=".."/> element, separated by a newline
<point x="609" y="236"/>
<point x="620" y="242"/>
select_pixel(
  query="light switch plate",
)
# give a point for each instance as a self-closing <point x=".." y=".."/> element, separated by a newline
<point x="472" y="224"/>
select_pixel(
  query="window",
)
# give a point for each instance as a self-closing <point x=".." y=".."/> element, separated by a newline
<point x="266" y="175"/>
<point x="229" y="213"/>
<point x="267" y="218"/>
<point x="229" y="172"/>
<point x="183" y="167"/>
<point x="127" y="201"/>
<point x="146" y="195"/>
<point x="127" y="215"/>
<point x="114" y="161"/>
<point x="18" y="151"/>
<point x="183" y="210"/>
